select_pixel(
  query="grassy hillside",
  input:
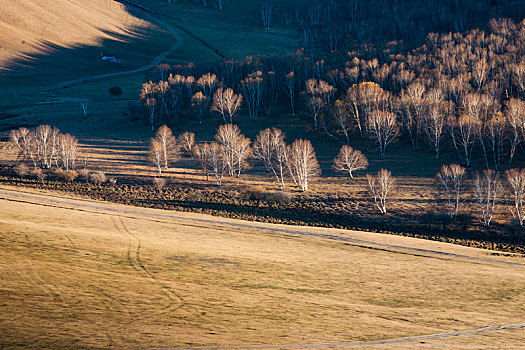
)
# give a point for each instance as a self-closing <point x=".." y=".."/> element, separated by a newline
<point x="35" y="27"/>
<point x="141" y="280"/>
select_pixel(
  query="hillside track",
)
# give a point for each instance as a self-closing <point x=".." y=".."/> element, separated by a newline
<point x="190" y="33"/>
<point x="157" y="60"/>
<point x="174" y="303"/>
<point x="363" y="344"/>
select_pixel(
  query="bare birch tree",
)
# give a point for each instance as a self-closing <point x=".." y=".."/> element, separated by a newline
<point x="434" y="126"/>
<point x="464" y="132"/>
<point x="24" y="140"/>
<point x="199" y="104"/>
<point x="67" y="151"/>
<point x="290" y="89"/>
<point x="269" y="146"/>
<point x="384" y="128"/>
<point x="350" y="160"/>
<point x="236" y="148"/>
<point x="151" y="106"/>
<point x="515" y="113"/>
<point x="207" y="83"/>
<point x="302" y="163"/>
<point x="450" y="179"/>
<point x="168" y="142"/>
<point x="46" y="139"/>
<point x="187" y="141"/>
<point x="487" y="188"/>
<point x="516" y="183"/>
<point x="156" y="154"/>
<point x="266" y="15"/>
<point x="227" y="103"/>
<point x="252" y="90"/>
<point x="215" y="161"/>
<point x="380" y="187"/>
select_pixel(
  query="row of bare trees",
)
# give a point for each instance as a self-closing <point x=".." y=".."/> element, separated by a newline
<point x="487" y="188"/>
<point x="46" y="146"/>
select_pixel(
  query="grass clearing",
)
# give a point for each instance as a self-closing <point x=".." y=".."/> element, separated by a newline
<point x="94" y="278"/>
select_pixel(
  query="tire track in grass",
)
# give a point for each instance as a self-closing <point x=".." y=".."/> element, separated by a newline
<point x="363" y="344"/>
<point x="175" y="301"/>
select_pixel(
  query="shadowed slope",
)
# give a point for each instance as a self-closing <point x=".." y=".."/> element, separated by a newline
<point x="24" y="25"/>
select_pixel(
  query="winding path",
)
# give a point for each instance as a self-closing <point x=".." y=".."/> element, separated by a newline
<point x="369" y="343"/>
<point x="178" y="43"/>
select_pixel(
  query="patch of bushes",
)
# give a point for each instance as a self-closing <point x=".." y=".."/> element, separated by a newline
<point x="38" y="174"/>
<point x="115" y="91"/>
<point x="65" y="175"/>
<point x="21" y="170"/>
<point x="84" y="174"/>
<point x="159" y="182"/>
<point x="261" y="194"/>
<point x="98" y="178"/>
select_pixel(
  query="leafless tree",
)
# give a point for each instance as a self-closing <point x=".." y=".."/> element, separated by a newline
<point x="464" y="132"/>
<point x="290" y="89"/>
<point x="450" y="179"/>
<point x="151" y="106"/>
<point x="187" y="141"/>
<point x="487" y="188"/>
<point x="199" y="154"/>
<point x="380" y="187"/>
<point x="163" y="88"/>
<point x="84" y="105"/>
<point x="319" y="96"/>
<point x="252" y="91"/>
<point x="434" y="125"/>
<point x="199" y="104"/>
<point x="168" y="143"/>
<point x="207" y="83"/>
<point x="46" y="139"/>
<point x="215" y="162"/>
<point x="156" y="154"/>
<point x="24" y="140"/>
<point x="266" y="15"/>
<point x="412" y="107"/>
<point x="495" y="131"/>
<point x="302" y="163"/>
<point x="175" y="84"/>
<point x="384" y="129"/>
<point x="515" y="113"/>
<point x="236" y="148"/>
<point x="269" y="146"/>
<point x="361" y="100"/>
<point x="227" y="103"/>
<point x="343" y="120"/>
<point x="350" y="160"/>
<point x="516" y="183"/>
<point x="67" y="151"/>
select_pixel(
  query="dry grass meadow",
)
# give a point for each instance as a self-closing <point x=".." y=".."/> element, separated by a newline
<point x="77" y="277"/>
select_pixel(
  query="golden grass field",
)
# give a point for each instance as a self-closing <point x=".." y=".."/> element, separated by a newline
<point x="82" y="275"/>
